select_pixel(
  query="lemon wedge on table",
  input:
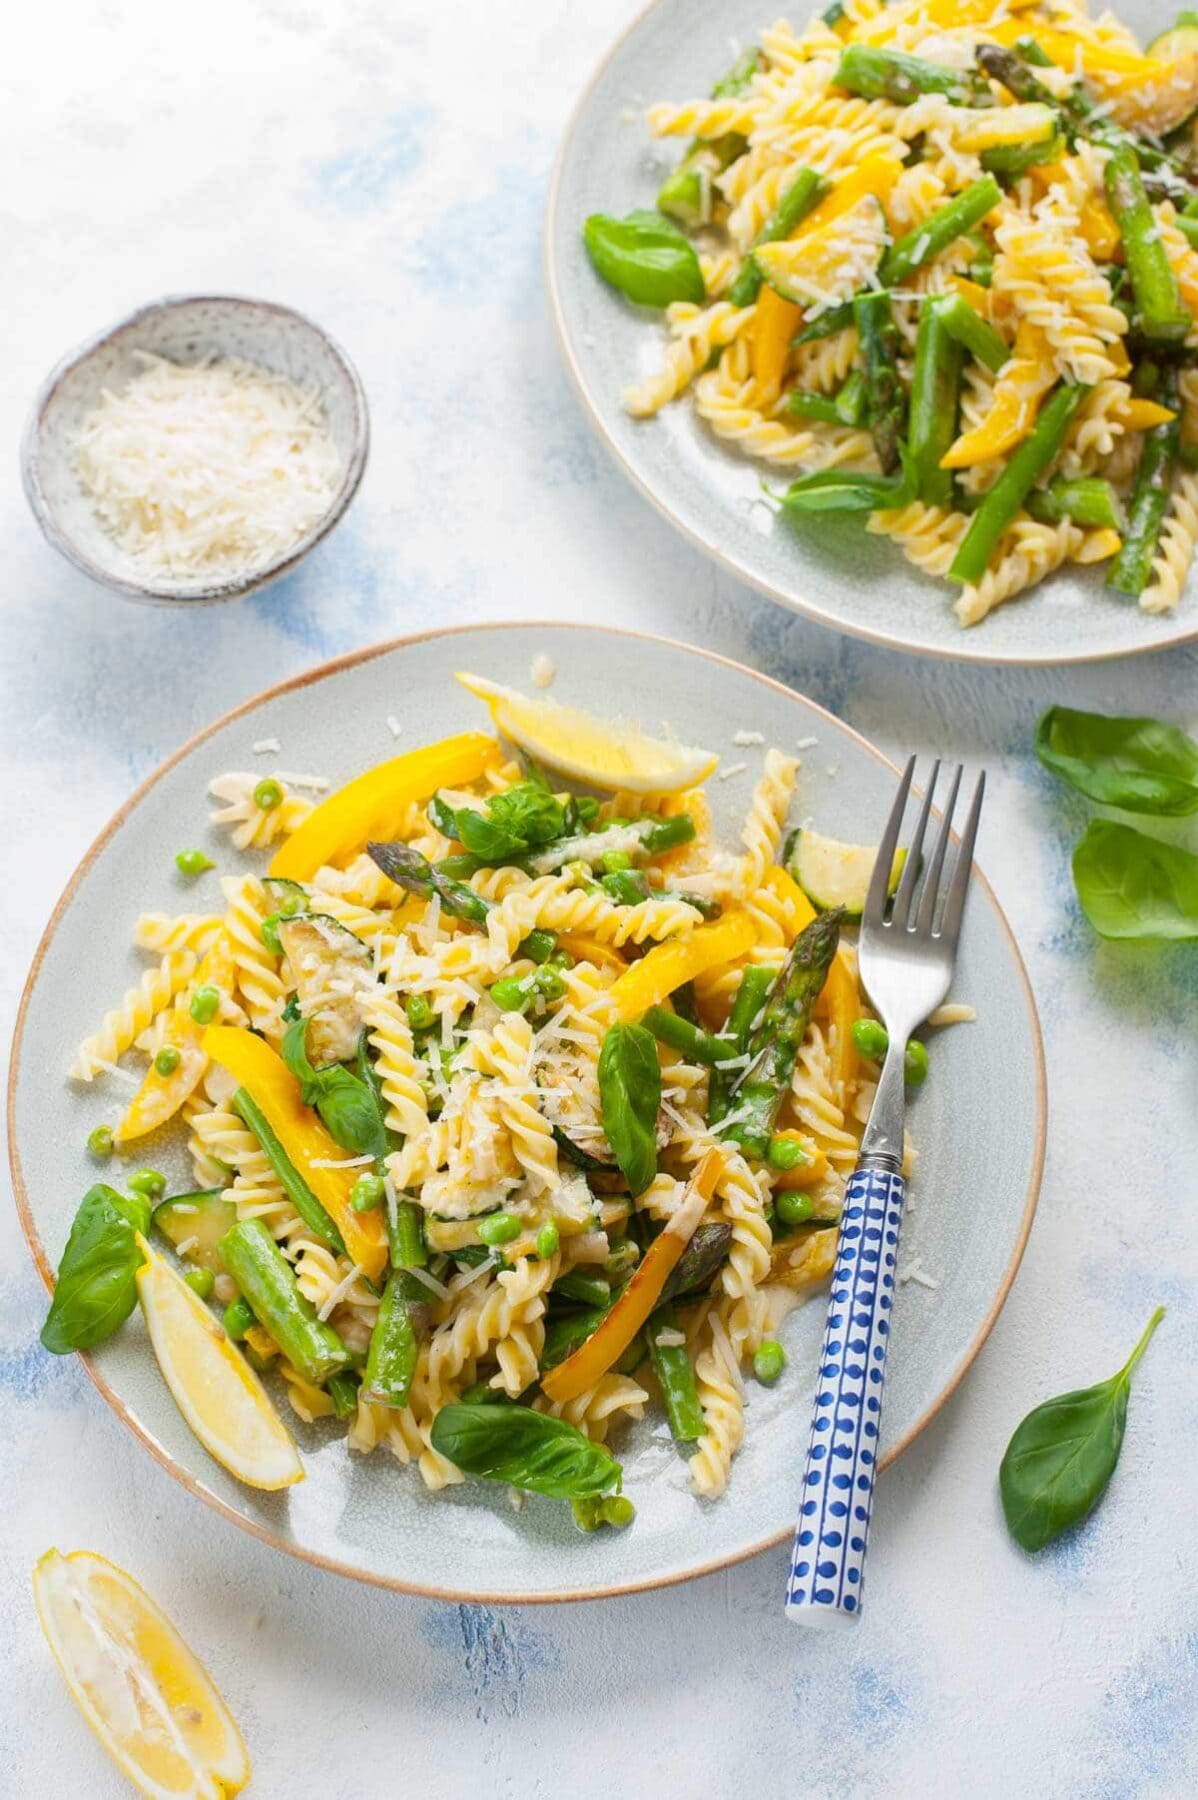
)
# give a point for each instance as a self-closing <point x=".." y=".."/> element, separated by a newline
<point x="213" y="1386"/>
<point x="605" y="753"/>
<point x="148" y="1700"/>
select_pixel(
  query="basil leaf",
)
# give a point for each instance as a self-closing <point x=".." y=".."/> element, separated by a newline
<point x="348" y="1104"/>
<point x="840" y="490"/>
<point x="646" y="257"/>
<point x="629" y="1097"/>
<point x="1134" y="886"/>
<point x="1141" y="765"/>
<point x="512" y="824"/>
<point x="524" y="1448"/>
<point x="96" y="1288"/>
<point x="1062" y="1456"/>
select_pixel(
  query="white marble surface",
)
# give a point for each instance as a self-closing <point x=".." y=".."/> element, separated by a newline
<point x="384" y="166"/>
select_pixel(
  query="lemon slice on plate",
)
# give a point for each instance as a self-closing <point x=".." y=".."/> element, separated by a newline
<point x="148" y="1700"/>
<point x="214" y="1387"/>
<point x="605" y="753"/>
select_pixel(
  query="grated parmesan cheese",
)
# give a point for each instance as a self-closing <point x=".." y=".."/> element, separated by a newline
<point x="213" y="468"/>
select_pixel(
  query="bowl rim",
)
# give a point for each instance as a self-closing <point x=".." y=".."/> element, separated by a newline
<point x="308" y="677"/>
<point x="213" y="592"/>
<point x="708" y="542"/>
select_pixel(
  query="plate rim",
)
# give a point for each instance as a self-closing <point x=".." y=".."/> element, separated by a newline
<point x="709" y="546"/>
<point x="323" y="671"/>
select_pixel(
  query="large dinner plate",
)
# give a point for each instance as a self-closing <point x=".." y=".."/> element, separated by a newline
<point x="978" y="1124"/>
<point x="827" y="567"/>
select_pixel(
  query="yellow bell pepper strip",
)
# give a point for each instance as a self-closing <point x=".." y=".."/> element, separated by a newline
<point x="1018" y="391"/>
<point x="875" y="174"/>
<point x="805" y="1173"/>
<point x="373" y="805"/>
<point x="840" y="1004"/>
<point x="591" y="950"/>
<point x="160" y="1096"/>
<point x="616" y="1330"/>
<point x="651" y="980"/>
<point x="785" y="889"/>
<point x="1142" y="415"/>
<point x="265" y="1076"/>
<point x="774" y="324"/>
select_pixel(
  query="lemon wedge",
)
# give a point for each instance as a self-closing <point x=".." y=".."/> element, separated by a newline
<point x="214" y="1387"/>
<point x="605" y="753"/>
<point x="148" y="1700"/>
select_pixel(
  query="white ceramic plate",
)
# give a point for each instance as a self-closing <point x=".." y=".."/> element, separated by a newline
<point x="829" y="567"/>
<point x="978" y="1123"/>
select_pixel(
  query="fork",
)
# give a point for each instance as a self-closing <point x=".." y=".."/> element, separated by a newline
<point x="906" y="963"/>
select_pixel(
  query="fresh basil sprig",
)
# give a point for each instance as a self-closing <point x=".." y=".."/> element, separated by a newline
<point x="347" y="1103"/>
<point x="1140" y="765"/>
<point x="629" y="1098"/>
<point x="1064" y="1453"/>
<point x="511" y="824"/>
<point x="526" y="1449"/>
<point x="1134" y="886"/>
<point x="96" y="1288"/>
<point x="646" y="257"/>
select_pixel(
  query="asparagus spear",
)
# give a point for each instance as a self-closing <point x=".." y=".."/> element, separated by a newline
<point x="1160" y="315"/>
<point x="885" y="401"/>
<point x="1088" y="501"/>
<point x="935" y="385"/>
<point x="644" y="837"/>
<point x="264" y="1276"/>
<point x="681" y="196"/>
<point x="1007" y="495"/>
<point x="1130" y="571"/>
<point x="296" y="1188"/>
<point x="707" y="1250"/>
<point x="410" y="870"/>
<point x="826" y="325"/>
<point x="895" y="76"/>
<point x="970" y="329"/>
<point x="949" y="222"/>
<point x="689" y="1040"/>
<point x="796" y="202"/>
<point x="844" y="408"/>
<point x="774" y="1045"/>
<point x="405" y="1236"/>
<point x="676" y="1378"/>
<point x="751" y="996"/>
<point x="403" y="1318"/>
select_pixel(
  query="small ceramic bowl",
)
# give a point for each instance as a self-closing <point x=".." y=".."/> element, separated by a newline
<point x="183" y="329"/>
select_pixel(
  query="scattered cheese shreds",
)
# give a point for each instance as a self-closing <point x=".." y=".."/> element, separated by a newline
<point x="543" y="671"/>
<point x="213" y="468"/>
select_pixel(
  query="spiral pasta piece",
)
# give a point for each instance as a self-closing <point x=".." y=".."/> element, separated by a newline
<point x="251" y="826"/>
<point x="395" y="1065"/>
<point x="1174" y="557"/>
<point x="259" y="983"/>
<point x="181" y="931"/>
<point x="717" y="325"/>
<point x="120" y="1028"/>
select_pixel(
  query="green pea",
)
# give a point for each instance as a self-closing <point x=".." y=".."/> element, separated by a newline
<point x="587" y="1512"/>
<point x="915" y="1063"/>
<point x="618" y="1510"/>
<point x="291" y="905"/>
<point x="622" y="1258"/>
<point x="561" y="959"/>
<point x="538" y="946"/>
<point x="167" y="1060"/>
<point x="193" y="862"/>
<point x="549" y="984"/>
<point x="871" y="1039"/>
<point x="614" y="860"/>
<point x="366" y="1193"/>
<point x="148" y="1183"/>
<point x="510" y="994"/>
<point x="548" y="1239"/>
<point x="205" y="1003"/>
<point x="101" y="1141"/>
<point x="201" y="1282"/>
<point x="419" y="1009"/>
<point x="499" y="1228"/>
<point x="769" y="1362"/>
<point x="268" y="794"/>
<point x="237" y="1318"/>
<point x="268" y="931"/>
<point x="793" y="1209"/>
<point x="586" y="808"/>
<point x="786" y="1153"/>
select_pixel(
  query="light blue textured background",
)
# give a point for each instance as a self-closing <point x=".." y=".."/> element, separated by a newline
<point x="384" y="166"/>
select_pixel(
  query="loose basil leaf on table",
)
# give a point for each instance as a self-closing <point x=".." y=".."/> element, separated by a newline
<point x="1134" y="886"/>
<point x="1062" y="1456"/>
<point x="646" y="257"/>
<point x="629" y="1098"/>
<point x="1140" y="765"/>
<point x="96" y="1288"/>
<point x="524" y="1448"/>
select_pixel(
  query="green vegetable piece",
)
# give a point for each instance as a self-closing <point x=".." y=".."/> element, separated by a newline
<point x="266" y="1281"/>
<point x="201" y="1282"/>
<point x="410" y="870"/>
<point x="342" y="1389"/>
<point x="548" y="1240"/>
<point x="1027" y="463"/>
<point x="148" y="1183"/>
<point x="1130" y="570"/>
<point x="820" y="407"/>
<point x="1134" y="886"/>
<point x="366" y="1193"/>
<point x="614" y="861"/>
<point x="630" y="1097"/>
<point x="588" y="1290"/>
<point x="512" y="994"/>
<point x="499" y="1228"/>
<point x="403" y="1319"/>
<point x="689" y="1040"/>
<point x="548" y="984"/>
<point x="237" y="1319"/>
<point x="935" y="390"/>
<point x="786" y="1153"/>
<point x="954" y="219"/>
<point x="167" y="1060"/>
<point x="405" y="1236"/>
<point x="627" y="887"/>
<point x="1013" y="160"/>
<point x="512" y="823"/>
<point x="622" y="1259"/>
<point x="972" y="332"/>
<point x="1061" y="1458"/>
<point x="198" y="1220"/>
<point x="267" y="795"/>
<point x="526" y="1449"/>
<point x="101" y="1142"/>
<point x="895" y="76"/>
<point x="755" y="985"/>
<point x="96" y="1289"/>
<point x="617" y="1510"/>
<point x="792" y="1208"/>
<point x="419" y="1010"/>
<point x="885" y="403"/>
<point x="193" y="862"/>
<point x="844" y="490"/>
<point x="1160" y="315"/>
<point x="796" y="201"/>
<point x="645" y="257"/>
<point x="915" y="1063"/>
<point x="737" y="78"/>
<point x="566" y="1331"/>
<point x="769" y="1362"/>
<point x="204" y="1005"/>
<point x="871" y="1039"/>
<point x="1087" y="500"/>
<point x="676" y="1378"/>
<point x="697" y="1266"/>
<point x="1140" y="765"/>
<point x="296" y="1188"/>
<point x="538" y="947"/>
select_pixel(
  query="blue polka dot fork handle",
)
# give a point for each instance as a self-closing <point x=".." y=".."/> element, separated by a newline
<point x="907" y="949"/>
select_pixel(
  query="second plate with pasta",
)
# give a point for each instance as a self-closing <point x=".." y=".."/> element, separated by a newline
<point x="484" y="1008"/>
<point x="704" y="402"/>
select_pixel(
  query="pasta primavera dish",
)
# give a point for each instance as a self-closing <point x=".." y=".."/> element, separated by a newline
<point x="513" y="1110"/>
<point x="940" y="260"/>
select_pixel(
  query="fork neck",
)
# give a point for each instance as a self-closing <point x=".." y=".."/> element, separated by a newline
<point x="882" y="1141"/>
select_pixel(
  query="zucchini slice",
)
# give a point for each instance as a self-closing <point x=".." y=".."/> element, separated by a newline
<point x="321" y="952"/>
<point x="204" y="1216"/>
<point x="833" y="874"/>
<point x="1180" y="40"/>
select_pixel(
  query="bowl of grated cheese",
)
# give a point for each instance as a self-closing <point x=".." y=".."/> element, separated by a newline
<point x="196" y="450"/>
